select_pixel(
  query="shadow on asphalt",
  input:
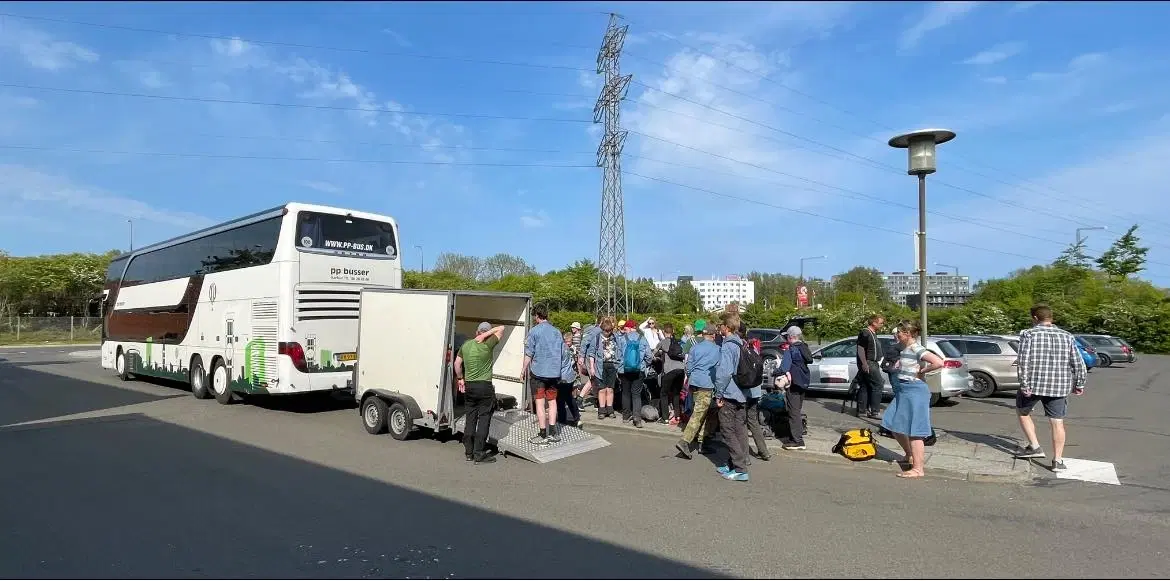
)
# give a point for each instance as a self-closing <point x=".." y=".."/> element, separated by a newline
<point x="131" y="497"/>
<point x="28" y="394"/>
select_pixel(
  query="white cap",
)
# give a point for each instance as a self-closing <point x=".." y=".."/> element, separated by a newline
<point x="575" y="325"/>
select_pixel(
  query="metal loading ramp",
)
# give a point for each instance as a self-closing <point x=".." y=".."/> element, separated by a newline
<point x="511" y="430"/>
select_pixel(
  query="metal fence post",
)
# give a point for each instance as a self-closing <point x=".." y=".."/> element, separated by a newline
<point x="18" y="328"/>
<point x="70" y="328"/>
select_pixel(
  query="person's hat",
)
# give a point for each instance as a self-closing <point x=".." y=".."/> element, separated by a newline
<point x="622" y="323"/>
<point x="575" y="325"/>
<point x="700" y="324"/>
<point x="794" y="331"/>
<point x="631" y="324"/>
<point x="483" y="327"/>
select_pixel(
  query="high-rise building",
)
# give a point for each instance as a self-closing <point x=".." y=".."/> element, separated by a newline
<point x="943" y="289"/>
<point x="717" y="293"/>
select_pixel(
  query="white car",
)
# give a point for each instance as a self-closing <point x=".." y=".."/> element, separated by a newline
<point x="835" y="365"/>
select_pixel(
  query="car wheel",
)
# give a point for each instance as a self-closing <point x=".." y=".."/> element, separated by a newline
<point x="374" y="413"/>
<point x="198" y="379"/>
<point x="770" y="364"/>
<point x="1105" y="360"/>
<point x="935" y="399"/>
<point x="984" y="385"/>
<point x="399" y="421"/>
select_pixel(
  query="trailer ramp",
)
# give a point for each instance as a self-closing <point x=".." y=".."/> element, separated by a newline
<point x="512" y="429"/>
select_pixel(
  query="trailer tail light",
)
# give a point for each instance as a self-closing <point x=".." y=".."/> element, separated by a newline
<point x="952" y="364"/>
<point x="295" y="352"/>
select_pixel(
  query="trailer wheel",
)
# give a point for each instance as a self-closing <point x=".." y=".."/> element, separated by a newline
<point x="399" y="422"/>
<point x="374" y="413"/>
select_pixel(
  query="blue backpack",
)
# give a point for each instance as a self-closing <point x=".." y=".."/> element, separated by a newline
<point x="632" y="360"/>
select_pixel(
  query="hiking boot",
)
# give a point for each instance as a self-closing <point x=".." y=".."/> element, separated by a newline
<point x="684" y="448"/>
<point x="1028" y="451"/>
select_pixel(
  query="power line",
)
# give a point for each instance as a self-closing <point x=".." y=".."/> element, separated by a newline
<point x="1063" y="196"/>
<point x="218" y="101"/>
<point x="427" y="146"/>
<point x="282" y="158"/>
<point x="297" y="45"/>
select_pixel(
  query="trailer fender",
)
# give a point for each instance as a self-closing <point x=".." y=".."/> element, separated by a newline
<point x="394" y="396"/>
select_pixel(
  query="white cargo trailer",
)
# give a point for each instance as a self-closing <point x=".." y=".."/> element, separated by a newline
<point x="404" y="378"/>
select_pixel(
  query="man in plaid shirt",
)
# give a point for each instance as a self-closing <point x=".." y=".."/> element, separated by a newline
<point x="1050" y="368"/>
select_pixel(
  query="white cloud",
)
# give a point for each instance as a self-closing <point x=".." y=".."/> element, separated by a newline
<point x="21" y="185"/>
<point x="233" y="47"/>
<point x="398" y="37"/>
<point x="936" y="16"/>
<point x="1079" y="65"/>
<point x="537" y="219"/>
<point x="323" y="187"/>
<point x="40" y="50"/>
<point x="996" y="54"/>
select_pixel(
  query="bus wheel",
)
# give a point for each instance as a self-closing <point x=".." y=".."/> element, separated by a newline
<point x="221" y="383"/>
<point x="374" y="412"/>
<point x="198" y="379"/>
<point x="120" y="366"/>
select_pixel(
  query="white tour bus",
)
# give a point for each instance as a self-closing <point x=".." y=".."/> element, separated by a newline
<point x="265" y="304"/>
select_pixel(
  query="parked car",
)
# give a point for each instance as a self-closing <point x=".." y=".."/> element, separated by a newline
<point x="1110" y="349"/>
<point x="1128" y="349"/>
<point x="991" y="359"/>
<point x="773" y="342"/>
<point x="1088" y="353"/>
<point x="835" y="365"/>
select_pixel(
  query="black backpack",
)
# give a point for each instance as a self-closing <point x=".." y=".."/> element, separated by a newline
<point x="675" y="350"/>
<point x="750" y="370"/>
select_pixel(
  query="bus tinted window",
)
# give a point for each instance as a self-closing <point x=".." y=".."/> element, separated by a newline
<point x="114" y="271"/>
<point x="250" y="245"/>
<point x="345" y="233"/>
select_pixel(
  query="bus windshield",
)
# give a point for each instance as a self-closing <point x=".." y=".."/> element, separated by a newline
<point x="345" y="233"/>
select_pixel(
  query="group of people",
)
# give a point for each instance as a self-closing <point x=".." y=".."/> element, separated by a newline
<point x="703" y="388"/>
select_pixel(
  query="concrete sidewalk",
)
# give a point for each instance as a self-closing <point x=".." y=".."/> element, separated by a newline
<point x="950" y="457"/>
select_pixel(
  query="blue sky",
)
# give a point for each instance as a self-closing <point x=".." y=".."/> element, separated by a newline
<point x="483" y="141"/>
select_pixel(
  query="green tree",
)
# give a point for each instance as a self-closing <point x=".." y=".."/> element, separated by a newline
<point x="466" y="267"/>
<point x="863" y="281"/>
<point x="685" y="298"/>
<point x="1125" y="257"/>
<point x="1074" y="256"/>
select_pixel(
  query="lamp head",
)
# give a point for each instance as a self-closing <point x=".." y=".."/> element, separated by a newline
<point x="920" y="146"/>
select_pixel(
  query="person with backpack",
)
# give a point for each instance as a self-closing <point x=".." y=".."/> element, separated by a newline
<point x="670" y="351"/>
<point x="603" y="360"/>
<point x="700" y="369"/>
<point x="737" y="370"/>
<point x="795" y="364"/>
<point x="567" y="409"/>
<point x="635" y="354"/>
<point x="754" y="394"/>
<point x="589" y="343"/>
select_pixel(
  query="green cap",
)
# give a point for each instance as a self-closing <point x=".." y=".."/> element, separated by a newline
<point x="700" y="324"/>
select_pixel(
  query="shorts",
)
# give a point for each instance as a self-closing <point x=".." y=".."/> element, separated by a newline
<point x="545" y="387"/>
<point x="609" y="375"/>
<point x="1054" y="407"/>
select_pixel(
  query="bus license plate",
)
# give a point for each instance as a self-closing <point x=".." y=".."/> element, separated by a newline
<point x="346" y="357"/>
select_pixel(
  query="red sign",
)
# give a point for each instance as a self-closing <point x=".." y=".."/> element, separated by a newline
<point x="802" y="296"/>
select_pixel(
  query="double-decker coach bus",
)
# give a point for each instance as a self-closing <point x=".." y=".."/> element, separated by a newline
<point x="264" y="304"/>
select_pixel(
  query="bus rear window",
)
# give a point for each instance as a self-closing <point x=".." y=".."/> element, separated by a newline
<point x="345" y="234"/>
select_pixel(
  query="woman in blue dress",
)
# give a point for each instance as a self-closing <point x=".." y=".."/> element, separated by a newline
<point x="908" y="416"/>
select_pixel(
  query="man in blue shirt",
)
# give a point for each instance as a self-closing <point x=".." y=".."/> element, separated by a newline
<point x="795" y="364"/>
<point x="700" y="369"/>
<point x="543" y="354"/>
<point x="732" y="401"/>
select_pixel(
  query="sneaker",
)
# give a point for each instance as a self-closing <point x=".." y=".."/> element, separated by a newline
<point x="724" y="470"/>
<point x="554" y="433"/>
<point x="637" y="423"/>
<point x="1058" y="465"/>
<point x="794" y="446"/>
<point x="1029" y="452"/>
<point x="485" y="459"/>
<point x="469" y="457"/>
<point x="736" y="476"/>
<point x="540" y="438"/>
<point x="684" y="448"/>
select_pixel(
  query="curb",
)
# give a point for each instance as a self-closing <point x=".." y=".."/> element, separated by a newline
<point x="48" y="345"/>
<point x="822" y="456"/>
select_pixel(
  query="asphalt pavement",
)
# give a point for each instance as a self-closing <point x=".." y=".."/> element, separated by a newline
<point x="138" y="479"/>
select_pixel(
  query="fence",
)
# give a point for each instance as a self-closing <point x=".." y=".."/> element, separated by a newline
<point x="17" y="330"/>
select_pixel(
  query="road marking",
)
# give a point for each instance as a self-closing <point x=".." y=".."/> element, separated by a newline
<point x="1089" y="471"/>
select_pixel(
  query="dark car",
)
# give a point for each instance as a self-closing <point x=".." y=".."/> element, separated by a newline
<point x="774" y="341"/>
<point x="1110" y="349"/>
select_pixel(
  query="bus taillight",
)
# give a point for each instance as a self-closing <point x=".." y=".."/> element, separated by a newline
<point x="294" y="352"/>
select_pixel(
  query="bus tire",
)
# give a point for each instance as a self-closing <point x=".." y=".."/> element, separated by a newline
<point x="121" y="366"/>
<point x="221" y="384"/>
<point x="374" y="413"/>
<point x="399" y="421"/>
<point x="198" y="379"/>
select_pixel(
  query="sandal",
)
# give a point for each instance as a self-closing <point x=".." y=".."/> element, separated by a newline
<point x="910" y="474"/>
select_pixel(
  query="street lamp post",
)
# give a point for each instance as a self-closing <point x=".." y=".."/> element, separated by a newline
<point x="920" y="146"/>
<point x="422" y="260"/>
<point x="948" y="266"/>
<point x="1079" y="239"/>
<point x="130" y="221"/>
<point x="801" y="281"/>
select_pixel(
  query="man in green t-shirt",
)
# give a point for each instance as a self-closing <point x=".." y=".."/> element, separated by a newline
<point x="476" y="357"/>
